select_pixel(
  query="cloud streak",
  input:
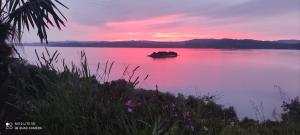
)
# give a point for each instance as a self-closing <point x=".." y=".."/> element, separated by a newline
<point x="160" y="19"/>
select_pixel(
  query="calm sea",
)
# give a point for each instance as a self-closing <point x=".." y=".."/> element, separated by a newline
<point x="245" y="79"/>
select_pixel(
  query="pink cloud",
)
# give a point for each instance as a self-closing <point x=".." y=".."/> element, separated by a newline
<point x="145" y="22"/>
<point x="160" y="28"/>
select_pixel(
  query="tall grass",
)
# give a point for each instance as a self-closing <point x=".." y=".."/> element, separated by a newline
<point x="73" y="101"/>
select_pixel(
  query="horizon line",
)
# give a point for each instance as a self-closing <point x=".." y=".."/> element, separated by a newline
<point x="160" y="40"/>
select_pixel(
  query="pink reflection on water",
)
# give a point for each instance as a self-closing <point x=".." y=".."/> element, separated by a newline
<point x="236" y="76"/>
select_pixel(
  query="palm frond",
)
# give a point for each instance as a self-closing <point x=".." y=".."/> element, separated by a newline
<point x="39" y="14"/>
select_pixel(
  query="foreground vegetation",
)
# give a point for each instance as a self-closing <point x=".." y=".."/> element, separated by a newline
<point x="71" y="100"/>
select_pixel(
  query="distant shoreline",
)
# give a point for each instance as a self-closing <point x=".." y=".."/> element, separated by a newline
<point x="196" y="43"/>
<point x="44" y="45"/>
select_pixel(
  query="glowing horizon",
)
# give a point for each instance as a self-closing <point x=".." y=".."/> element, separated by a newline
<point x="123" y="20"/>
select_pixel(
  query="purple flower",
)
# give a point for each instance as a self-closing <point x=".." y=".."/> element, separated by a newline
<point x="187" y="114"/>
<point x="129" y="104"/>
<point x="190" y="127"/>
<point x="129" y="109"/>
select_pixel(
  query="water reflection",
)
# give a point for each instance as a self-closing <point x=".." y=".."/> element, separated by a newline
<point x="237" y="77"/>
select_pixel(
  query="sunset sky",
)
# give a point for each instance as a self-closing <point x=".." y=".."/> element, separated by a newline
<point x="176" y="20"/>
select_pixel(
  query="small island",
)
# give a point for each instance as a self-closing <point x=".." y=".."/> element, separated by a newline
<point x="163" y="54"/>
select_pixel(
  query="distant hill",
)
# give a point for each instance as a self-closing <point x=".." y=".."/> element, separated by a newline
<point x="289" y="41"/>
<point x="195" y="43"/>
